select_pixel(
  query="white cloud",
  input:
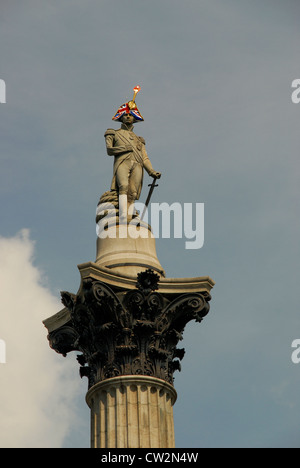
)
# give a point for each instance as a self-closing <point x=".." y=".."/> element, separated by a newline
<point x="37" y="386"/>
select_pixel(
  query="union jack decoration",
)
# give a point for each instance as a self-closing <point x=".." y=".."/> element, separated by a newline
<point x="136" y="114"/>
<point x="121" y="111"/>
<point x="125" y="109"/>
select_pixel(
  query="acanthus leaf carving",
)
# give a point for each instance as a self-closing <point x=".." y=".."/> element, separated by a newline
<point x="133" y="332"/>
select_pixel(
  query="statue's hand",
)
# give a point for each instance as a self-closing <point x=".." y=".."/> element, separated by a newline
<point x="156" y="175"/>
<point x="128" y="148"/>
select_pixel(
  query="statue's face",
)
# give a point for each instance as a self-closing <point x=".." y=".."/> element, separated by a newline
<point x="128" y="119"/>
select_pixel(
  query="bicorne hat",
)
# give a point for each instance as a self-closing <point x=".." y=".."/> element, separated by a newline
<point x="129" y="108"/>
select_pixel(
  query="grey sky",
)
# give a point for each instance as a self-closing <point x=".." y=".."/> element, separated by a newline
<point x="221" y="127"/>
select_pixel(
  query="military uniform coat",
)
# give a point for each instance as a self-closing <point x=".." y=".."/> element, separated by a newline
<point x="118" y="143"/>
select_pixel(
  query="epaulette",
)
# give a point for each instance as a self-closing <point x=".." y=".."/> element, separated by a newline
<point x="142" y="140"/>
<point x="109" y="131"/>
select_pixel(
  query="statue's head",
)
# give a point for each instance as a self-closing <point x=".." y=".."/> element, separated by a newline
<point x="128" y="119"/>
<point x="129" y="109"/>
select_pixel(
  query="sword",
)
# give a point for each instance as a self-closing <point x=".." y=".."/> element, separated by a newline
<point x="152" y="187"/>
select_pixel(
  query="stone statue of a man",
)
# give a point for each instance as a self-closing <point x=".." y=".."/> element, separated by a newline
<point x="130" y="156"/>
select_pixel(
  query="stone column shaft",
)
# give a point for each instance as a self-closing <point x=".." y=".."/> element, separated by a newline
<point x="132" y="412"/>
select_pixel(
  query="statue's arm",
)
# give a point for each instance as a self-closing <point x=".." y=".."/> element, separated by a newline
<point x="147" y="163"/>
<point x="113" y="148"/>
